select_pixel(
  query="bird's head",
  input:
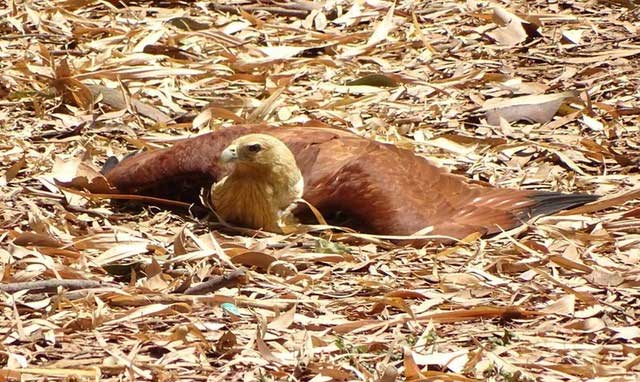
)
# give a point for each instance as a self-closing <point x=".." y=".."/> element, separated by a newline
<point x="263" y="183"/>
<point x="258" y="151"/>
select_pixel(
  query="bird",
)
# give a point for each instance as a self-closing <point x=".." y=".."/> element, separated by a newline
<point x="373" y="187"/>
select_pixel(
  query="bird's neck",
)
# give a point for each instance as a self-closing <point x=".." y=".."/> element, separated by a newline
<point x="281" y="177"/>
<point x="254" y="171"/>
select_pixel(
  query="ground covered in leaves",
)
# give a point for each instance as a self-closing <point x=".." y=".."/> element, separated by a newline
<point x="537" y="94"/>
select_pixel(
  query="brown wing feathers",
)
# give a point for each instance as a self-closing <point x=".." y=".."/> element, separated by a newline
<point x="198" y="156"/>
<point x="388" y="190"/>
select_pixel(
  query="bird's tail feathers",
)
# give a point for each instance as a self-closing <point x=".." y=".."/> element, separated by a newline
<point x="110" y="163"/>
<point x="547" y="203"/>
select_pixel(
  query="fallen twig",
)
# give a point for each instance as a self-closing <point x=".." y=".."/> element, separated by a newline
<point x="52" y="284"/>
<point x="283" y="10"/>
<point x="240" y="301"/>
<point x="215" y="283"/>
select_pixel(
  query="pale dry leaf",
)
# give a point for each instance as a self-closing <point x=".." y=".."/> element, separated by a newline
<point x="284" y="320"/>
<point x="281" y="52"/>
<point x="626" y="332"/>
<point x="573" y="36"/>
<point x="587" y="325"/>
<point x="565" y="306"/>
<point x="454" y="361"/>
<point x="512" y="29"/>
<point x="602" y="277"/>
<point x="532" y="108"/>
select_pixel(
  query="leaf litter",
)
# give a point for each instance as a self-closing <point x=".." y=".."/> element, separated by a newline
<point x="536" y="95"/>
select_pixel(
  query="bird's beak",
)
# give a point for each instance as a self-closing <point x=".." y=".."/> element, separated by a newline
<point x="229" y="154"/>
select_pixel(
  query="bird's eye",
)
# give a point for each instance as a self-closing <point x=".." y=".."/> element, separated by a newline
<point x="254" y="148"/>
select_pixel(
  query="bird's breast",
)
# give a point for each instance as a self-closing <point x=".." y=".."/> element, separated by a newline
<point x="248" y="202"/>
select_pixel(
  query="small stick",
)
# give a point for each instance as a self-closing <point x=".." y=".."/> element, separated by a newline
<point x="254" y="8"/>
<point x="230" y="279"/>
<point x="52" y="284"/>
<point x="140" y="198"/>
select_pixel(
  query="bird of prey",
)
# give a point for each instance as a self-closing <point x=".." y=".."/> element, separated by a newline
<point x="378" y="188"/>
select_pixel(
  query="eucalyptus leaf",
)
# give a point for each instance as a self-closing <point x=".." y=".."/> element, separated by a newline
<point x="378" y="80"/>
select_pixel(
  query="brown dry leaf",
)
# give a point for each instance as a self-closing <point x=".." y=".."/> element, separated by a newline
<point x="179" y="243"/>
<point x="12" y="171"/>
<point x="266" y="107"/>
<point x="226" y="342"/>
<point x="452" y="250"/>
<point x="403" y="293"/>
<point x="411" y="370"/>
<point x="207" y="114"/>
<point x="396" y="302"/>
<point x="253" y="259"/>
<point x="36" y="239"/>
<point x="187" y="23"/>
<point x="390" y="374"/>
<point x="583" y="296"/>
<point x="265" y="352"/>
<point x="73" y="91"/>
<point x="569" y="264"/>
<point x="378" y="80"/>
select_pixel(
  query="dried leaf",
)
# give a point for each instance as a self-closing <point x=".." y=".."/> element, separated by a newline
<point x="253" y="259"/>
<point x="513" y="30"/>
<point x="187" y="23"/>
<point x="378" y="80"/>
<point x="564" y="306"/>
<point x="411" y="370"/>
<point x="532" y="108"/>
<point x="12" y="171"/>
<point x="284" y="320"/>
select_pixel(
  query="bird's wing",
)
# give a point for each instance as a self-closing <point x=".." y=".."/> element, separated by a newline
<point x="395" y="192"/>
<point x="386" y="189"/>
<point x="194" y="159"/>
